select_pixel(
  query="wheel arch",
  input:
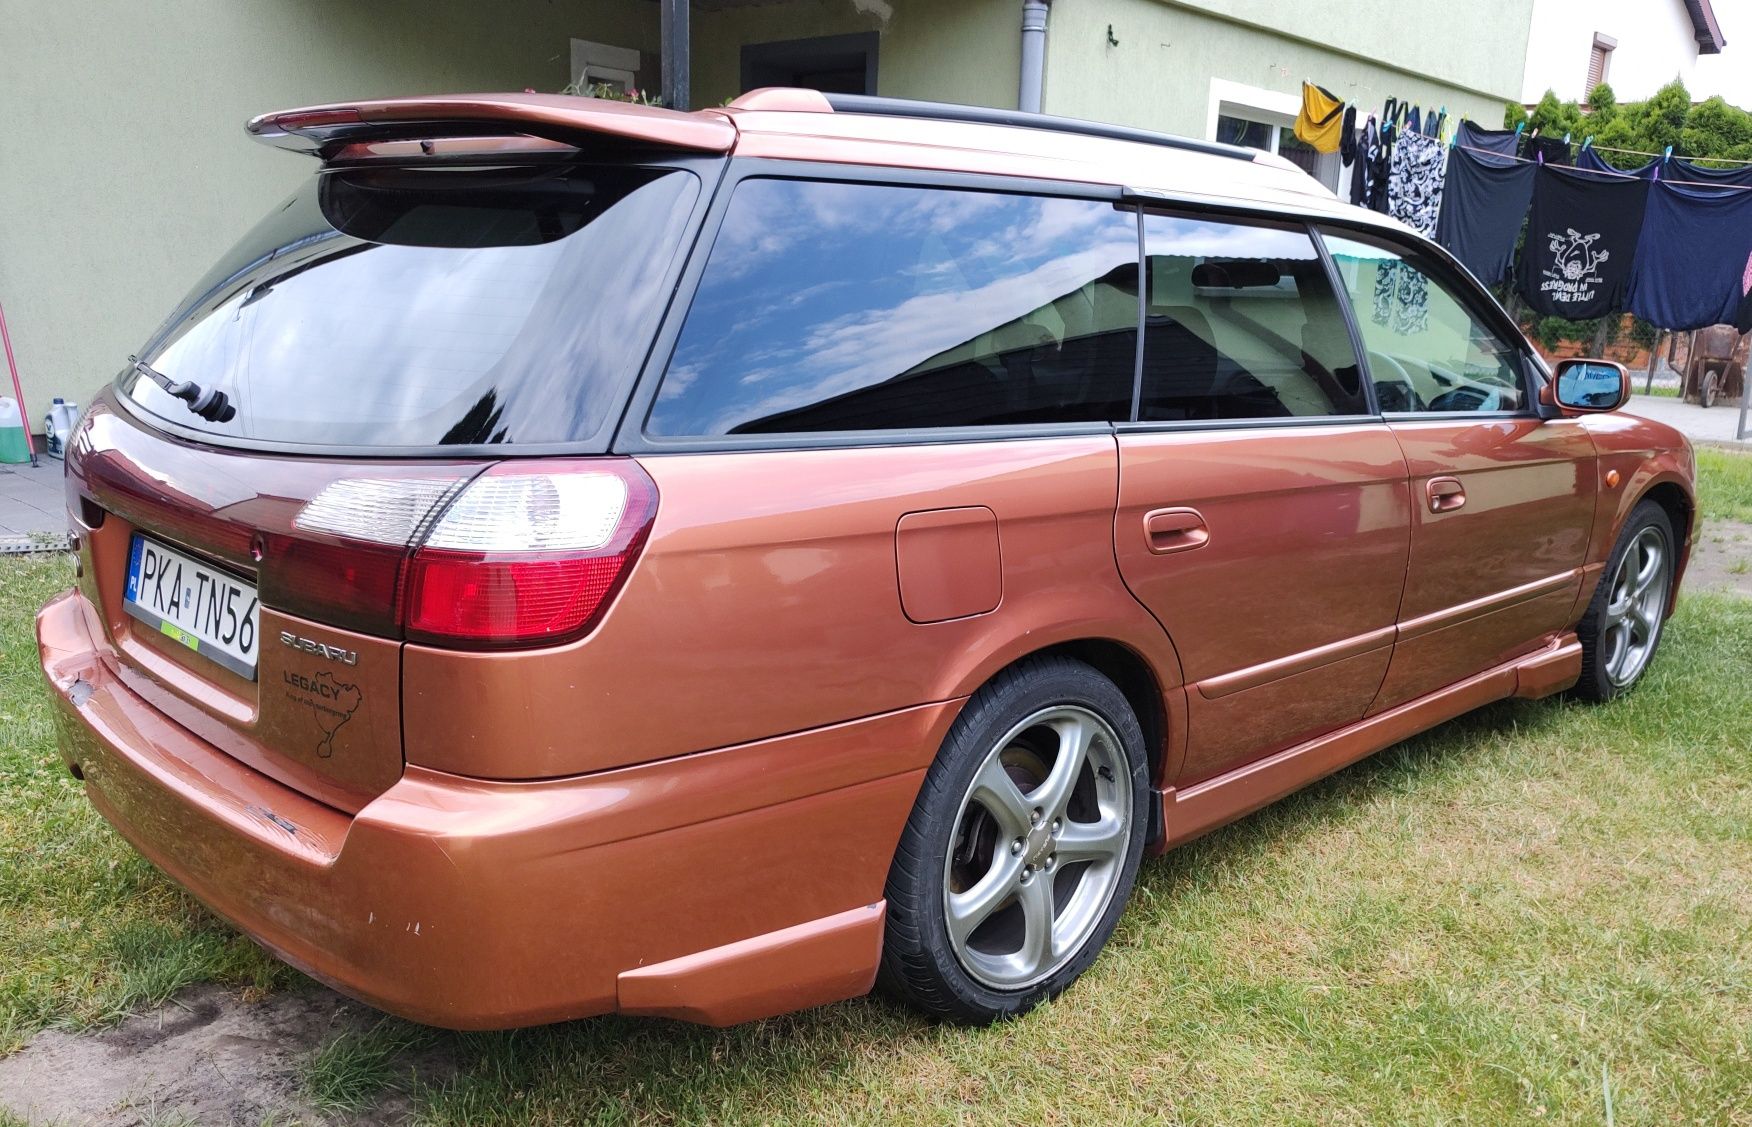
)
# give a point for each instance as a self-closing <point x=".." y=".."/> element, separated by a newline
<point x="1154" y="702"/>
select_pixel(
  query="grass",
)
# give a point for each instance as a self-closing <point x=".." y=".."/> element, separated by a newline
<point x="1724" y="484"/>
<point x="89" y="932"/>
<point x="1541" y="912"/>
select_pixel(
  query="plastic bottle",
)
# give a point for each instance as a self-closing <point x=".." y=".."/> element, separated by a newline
<point x="14" y="447"/>
<point x="58" y="426"/>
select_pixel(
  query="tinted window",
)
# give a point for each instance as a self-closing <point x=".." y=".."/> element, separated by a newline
<point x="829" y="306"/>
<point x="1242" y="324"/>
<point x="403" y="307"/>
<point x="1427" y="351"/>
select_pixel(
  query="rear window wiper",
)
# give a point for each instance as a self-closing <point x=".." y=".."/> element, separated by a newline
<point x="211" y="404"/>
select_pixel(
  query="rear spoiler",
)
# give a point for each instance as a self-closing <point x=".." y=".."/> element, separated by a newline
<point x="323" y="131"/>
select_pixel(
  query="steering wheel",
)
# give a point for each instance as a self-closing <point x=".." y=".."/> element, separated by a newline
<point x="1396" y="393"/>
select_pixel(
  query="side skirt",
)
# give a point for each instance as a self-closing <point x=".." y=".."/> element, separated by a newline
<point x="1199" y="809"/>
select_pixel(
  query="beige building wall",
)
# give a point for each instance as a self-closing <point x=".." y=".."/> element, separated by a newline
<point x="124" y="169"/>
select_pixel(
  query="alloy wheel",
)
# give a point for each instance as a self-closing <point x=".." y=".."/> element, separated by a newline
<point x="1040" y="845"/>
<point x="1635" y="606"/>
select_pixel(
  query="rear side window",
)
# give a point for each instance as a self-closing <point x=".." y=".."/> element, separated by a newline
<point x="404" y="307"/>
<point x="1242" y="323"/>
<point x="831" y="306"/>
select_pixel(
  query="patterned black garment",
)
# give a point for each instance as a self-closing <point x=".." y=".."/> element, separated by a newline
<point x="1402" y="298"/>
<point x="1414" y="187"/>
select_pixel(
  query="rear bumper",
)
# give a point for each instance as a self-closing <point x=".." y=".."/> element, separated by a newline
<point x="718" y="887"/>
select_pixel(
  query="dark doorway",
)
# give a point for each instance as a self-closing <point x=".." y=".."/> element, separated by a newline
<point x="833" y="64"/>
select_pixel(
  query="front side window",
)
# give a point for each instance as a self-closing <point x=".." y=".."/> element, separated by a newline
<point x="830" y="306"/>
<point x="1241" y="323"/>
<point x="1427" y="351"/>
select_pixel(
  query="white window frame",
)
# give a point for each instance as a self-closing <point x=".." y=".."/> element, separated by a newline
<point x="603" y="64"/>
<point x="1268" y="107"/>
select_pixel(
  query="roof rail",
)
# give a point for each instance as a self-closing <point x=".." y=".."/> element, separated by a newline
<point x="984" y="115"/>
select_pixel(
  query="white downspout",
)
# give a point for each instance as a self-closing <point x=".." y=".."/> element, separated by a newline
<point x="1033" y="54"/>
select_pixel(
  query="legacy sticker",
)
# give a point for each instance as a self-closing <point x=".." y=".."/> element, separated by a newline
<point x="333" y="702"/>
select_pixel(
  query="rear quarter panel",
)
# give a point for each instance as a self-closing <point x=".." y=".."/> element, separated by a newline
<point x="767" y="601"/>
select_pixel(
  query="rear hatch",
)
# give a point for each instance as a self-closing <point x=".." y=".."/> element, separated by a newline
<point x="390" y="334"/>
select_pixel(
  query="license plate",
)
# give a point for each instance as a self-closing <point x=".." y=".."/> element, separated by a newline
<point x="203" y="608"/>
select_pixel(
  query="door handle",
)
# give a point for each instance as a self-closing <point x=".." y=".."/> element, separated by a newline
<point x="1445" y="493"/>
<point x="1175" y="530"/>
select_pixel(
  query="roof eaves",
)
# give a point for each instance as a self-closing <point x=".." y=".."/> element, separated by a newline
<point x="1703" y="22"/>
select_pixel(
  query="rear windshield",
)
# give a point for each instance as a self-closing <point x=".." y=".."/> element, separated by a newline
<point x="403" y="307"/>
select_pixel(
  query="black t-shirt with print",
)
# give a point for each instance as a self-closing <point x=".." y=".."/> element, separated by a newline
<point x="1581" y="239"/>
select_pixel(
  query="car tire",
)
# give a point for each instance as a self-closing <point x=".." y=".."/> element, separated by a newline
<point x="1625" y="619"/>
<point x="1038" y="865"/>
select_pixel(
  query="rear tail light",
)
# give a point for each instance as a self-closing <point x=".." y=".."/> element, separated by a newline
<point x="529" y="553"/>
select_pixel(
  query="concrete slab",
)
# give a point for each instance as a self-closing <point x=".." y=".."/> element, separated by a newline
<point x="33" y="508"/>
<point x="1714" y="425"/>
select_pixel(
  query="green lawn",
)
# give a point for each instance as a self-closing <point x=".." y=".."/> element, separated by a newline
<point x="1724" y="484"/>
<point x="1541" y="912"/>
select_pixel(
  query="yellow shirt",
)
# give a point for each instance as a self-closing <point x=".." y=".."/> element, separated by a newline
<point x="1321" y="122"/>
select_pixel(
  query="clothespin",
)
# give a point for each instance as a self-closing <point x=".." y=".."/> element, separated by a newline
<point x="1519" y="125"/>
<point x="1668" y="155"/>
<point x="1589" y="142"/>
<point x="1566" y="138"/>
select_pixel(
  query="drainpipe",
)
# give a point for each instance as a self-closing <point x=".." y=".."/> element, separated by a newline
<point x="1033" y="54"/>
<point x="677" y="52"/>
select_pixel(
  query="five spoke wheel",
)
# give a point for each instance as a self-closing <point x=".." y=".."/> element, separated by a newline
<point x="1040" y="844"/>
<point x="1634" y="607"/>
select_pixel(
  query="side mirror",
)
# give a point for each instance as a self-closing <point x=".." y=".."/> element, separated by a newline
<point x="1590" y="385"/>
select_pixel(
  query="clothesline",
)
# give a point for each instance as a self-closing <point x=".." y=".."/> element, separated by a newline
<point x="1640" y="153"/>
<point x="1613" y="172"/>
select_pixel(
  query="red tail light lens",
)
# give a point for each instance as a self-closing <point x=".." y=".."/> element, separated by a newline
<point x="529" y="553"/>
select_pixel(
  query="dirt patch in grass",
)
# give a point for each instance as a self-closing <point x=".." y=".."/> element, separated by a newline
<point x="1721" y="560"/>
<point x="208" y="1057"/>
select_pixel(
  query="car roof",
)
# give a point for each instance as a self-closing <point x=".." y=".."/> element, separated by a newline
<point x="805" y="125"/>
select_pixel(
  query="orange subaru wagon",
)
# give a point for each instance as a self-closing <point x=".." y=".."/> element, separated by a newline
<point x="574" y="557"/>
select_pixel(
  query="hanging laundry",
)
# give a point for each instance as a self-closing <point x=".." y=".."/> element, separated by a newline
<point x="1743" y="319"/>
<point x="1483" y="207"/>
<point x="1739" y="175"/>
<point x="1673" y="168"/>
<point x="1414" y="184"/>
<point x="1692" y="257"/>
<point x="1321" y="122"/>
<point x="1582" y="233"/>
<point x="1402" y="298"/>
<point x="1501" y="144"/>
<point x="1433" y="124"/>
<point x="1548" y="150"/>
<point x="1592" y="161"/>
<point x="1367" y="181"/>
<point x="1379" y="156"/>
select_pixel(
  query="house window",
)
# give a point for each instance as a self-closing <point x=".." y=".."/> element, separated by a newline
<point x="1599" y="62"/>
<point x="1267" y="132"/>
<point x="833" y="64"/>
